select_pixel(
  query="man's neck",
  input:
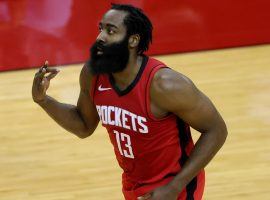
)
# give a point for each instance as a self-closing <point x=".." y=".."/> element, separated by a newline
<point x="124" y="78"/>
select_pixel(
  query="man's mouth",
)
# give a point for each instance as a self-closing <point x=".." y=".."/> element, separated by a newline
<point x="99" y="51"/>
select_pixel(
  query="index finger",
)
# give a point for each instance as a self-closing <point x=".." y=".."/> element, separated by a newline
<point x="42" y="71"/>
<point x="45" y="66"/>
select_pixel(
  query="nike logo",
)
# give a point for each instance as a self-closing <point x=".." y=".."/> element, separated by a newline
<point x="100" y="88"/>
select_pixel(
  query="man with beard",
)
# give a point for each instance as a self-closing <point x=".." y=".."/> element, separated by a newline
<point x="145" y="106"/>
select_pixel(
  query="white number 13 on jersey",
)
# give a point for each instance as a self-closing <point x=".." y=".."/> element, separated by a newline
<point x="125" y="139"/>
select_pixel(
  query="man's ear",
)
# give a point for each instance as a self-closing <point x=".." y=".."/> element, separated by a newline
<point x="134" y="41"/>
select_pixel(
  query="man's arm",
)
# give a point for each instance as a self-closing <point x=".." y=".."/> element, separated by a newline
<point x="173" y="92"/>
<point x="80" y="120"/>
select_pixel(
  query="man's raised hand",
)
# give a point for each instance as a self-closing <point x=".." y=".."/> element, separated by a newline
<point x="41" y="82"/>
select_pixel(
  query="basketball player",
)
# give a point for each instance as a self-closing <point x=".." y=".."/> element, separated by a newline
<point x="145" y="106"/>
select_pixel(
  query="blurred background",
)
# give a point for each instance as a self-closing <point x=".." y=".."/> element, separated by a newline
<point x="63" y="30"/>
<point x="223" y="46"/>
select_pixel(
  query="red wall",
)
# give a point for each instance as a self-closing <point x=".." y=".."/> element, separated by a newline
<point x="62" y="31"/>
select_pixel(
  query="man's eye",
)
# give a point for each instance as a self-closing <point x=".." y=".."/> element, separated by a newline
<point x="110" y="31"/>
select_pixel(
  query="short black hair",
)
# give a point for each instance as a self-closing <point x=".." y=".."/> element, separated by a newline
<point x="137" y="23"/>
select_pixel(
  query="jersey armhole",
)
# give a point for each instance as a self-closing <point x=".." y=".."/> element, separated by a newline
<point x="148" y="95"/>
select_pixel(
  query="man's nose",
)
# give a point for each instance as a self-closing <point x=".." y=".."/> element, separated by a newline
<point x="101" y="37"/>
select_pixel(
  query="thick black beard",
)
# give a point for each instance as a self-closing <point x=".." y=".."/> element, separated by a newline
<point x="114" y="58"/>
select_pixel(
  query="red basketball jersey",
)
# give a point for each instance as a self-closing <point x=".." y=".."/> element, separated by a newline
<point x="150" y="151"/>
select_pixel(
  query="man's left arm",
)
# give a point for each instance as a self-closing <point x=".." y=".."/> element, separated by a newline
<point x="173" y="92"/>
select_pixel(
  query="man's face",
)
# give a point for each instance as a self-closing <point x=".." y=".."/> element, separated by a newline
<point x="110" y="52"/>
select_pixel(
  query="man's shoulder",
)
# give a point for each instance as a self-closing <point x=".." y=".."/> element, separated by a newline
<point x="171" y="90"/>
<point x="168" y="80"/>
